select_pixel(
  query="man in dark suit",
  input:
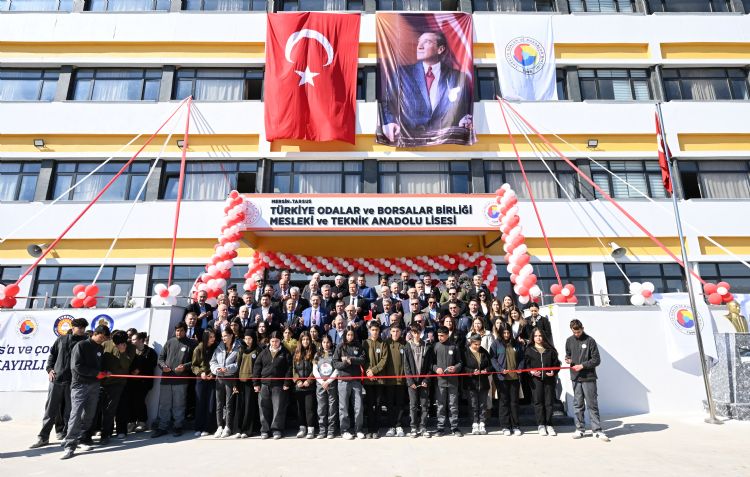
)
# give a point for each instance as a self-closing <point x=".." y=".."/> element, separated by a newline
<point x="300" y="303"/>
<point x="244" y="316"/>
<point x="282" y="289"/>
<point x="194" y="332"/>
<point x="264" y="312"/>
<point x="414" y="310"/>
<point x="428" y="96"/>
<point x="339" y="289"/>
<point x="453" y="293"/>
<point x="204" y="312"/>
<point x="430" y="288"/>
<point x="315" y="315"/>
<point x="327" y="301"/>
<point x="477" y="287"/>
<point x="404" y="284"/>
<point x="354" y="299"/>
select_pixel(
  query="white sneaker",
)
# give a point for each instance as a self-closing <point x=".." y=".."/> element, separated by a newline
<point x="218" y="432"/>
<point x="348" y="436"/>
<point x="391" y="432"/>
<point x="482" y="429"/>
<point x="361" y="435"/>
<point x="311" y="433"/>
<point x="236" y="436"/>
<point x="197" y="433"/>
<point x="226" y="433"/>
<point x="244" y="436"/>
<point x="302" y="432"/>
<point x="475" y="429"/>
<point x="601" y="436"/>
<point x="517" y="432"/>
<point x="203" y="434"/>
<point x="551" y="431"/>
<point x="400" y="432"/>
<point x="542" y="430"/>
<point x="577" y="434"/>
<point x="140" y="426"/>
<point x="506" y="432"/>
<point x="84" y="447"/>
<point x="131" y="427"/>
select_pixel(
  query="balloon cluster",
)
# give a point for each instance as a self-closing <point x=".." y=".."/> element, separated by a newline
<point x="84" y="296"/>
<point x="218" y="271"/>
<point x="718" y="293"/>
<point x="516" y="252"/>
<point x="386" y="266"/>
<point x="8" y="295"/>
<point x="642" y="293"/>
<point x="165" y="296"/>
<point x="563" y="293"/>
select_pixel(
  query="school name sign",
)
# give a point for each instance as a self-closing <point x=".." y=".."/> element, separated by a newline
<point x="381" y="212"/>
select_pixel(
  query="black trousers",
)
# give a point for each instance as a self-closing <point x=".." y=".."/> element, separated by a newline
<point x="226" y="402"/>
<point x="247" y="409"/>
<point x="373" y="406"/>
<point x="306" y="404"/>
<point x="396" y="399"/>
<point x="508" y="402"/>
<point x="111" y="394"/>
<point x="542" y="393"/>
<point x="419" y="406"/>
<point x="136" y="391"/>
<point x="205" y="405"/>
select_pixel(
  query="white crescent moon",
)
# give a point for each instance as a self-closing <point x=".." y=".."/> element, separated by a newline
<point x="311" y="34"/>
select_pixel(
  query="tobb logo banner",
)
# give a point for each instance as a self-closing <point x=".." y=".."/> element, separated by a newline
<point x="680" y="324"/>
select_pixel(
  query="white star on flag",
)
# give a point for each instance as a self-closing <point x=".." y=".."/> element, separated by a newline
<point x="306" y="76"/>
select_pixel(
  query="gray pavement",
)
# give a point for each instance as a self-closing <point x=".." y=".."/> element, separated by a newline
<point x="641" y="445"/>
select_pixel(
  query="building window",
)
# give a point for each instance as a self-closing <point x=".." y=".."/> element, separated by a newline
<point x="514" y="5"/>
<point x="116" y="84"/>
<point x="18" y="180"/>
<point x="56" y="283"/>
<point x="219" y="84"/>
<point x="643" y="175"/>
<point x="127" y="5"/>
<point x="366" y="75"/>
<point x="666" y="277"/>
<point x="212" y="180"/>
<point x="317" y="177"/>
<point x="562" y="85"/>
<point x="424" y="177"/>
<point x="321" y="5"/>
<point x="28" y="85"/>
<point x="736" y="274"/>
<point x="543" y="185"/>
<point x="578" y="274"/>
<point x="705" y="84"/>
<point x="486" y="84"/>
<point x="602" y="6"/>
<point x="225" y="5"/>
<point x="417" y="5"/>
<point x="126" y="186"/>
<point x="186" y="275"/>
<point x="689" y="6"/>
<point x="9" y="275"/>
<point x="618" y="85"/>
<point x="36" y="5"/>
<point x="715" y="179"/>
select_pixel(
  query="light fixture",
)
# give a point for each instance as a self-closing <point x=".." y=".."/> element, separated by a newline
<point x="36" y="250"/>
<point x="38" y="142"/>
<point x="180" y="143"/>
<point x="592" y="143"/>
<point x="617" y="251"/>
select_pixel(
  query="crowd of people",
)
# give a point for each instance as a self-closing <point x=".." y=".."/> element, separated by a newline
<point x="352" y="359"/>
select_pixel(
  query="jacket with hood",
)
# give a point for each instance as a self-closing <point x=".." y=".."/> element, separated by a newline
<point x="583" y="351"/>
<point x="227" y="359"/>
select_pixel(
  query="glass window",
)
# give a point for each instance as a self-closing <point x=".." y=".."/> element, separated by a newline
<point x="36" y="5"/>
<point x="562" y="85"/>
<point x="219" y="84"/>
<point x="210" y="180"/>
<point x="735" y="273"/>
<point x="28" y="85"/>
<point x="602" y="6"/>
<point x="9" y="275"/>
<point x="108" y="84"/>
<point x="643" y="175"/>
<point x="514" y="5"/>
<point x="619" y="85"/>
<point x="18" y="180"/>
<point x="715" y="179"/>
<point x="543" y="185"/>
<point x="487" y="86"/>
<point x="366" y="77"/>
<point x="689" y="5"/>
<point x="317" y="177"/>
<point x="186" y="275"/>
<point x="576" y="273"/>
<point x="705" y="84"/>
<point x="225" y="5"/>
<point x="127" y="5"/>
<point x="115" y="283"/>
<point x="320" y="5"/>
<point x="424" y="177"/>
<point x="666" y="277"/>
<point x="126" y="186"/>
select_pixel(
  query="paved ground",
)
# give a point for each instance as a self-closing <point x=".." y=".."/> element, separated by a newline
<point x="641" y="445"/>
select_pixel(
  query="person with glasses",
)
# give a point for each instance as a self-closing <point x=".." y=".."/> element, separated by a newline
<point x="453" y="299"/>
<point x="419" y="286"/>
<point x="426" y="333"/>
<point x="476" y="288"/>
<point x="415" y="309"/>
<point x="432" y="311"/>
<point x="451" y="282"/>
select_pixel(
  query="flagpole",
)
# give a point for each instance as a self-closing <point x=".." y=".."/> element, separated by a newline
<point x="701" y="353"/>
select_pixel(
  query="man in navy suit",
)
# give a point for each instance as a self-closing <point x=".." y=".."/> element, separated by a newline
<point x="429" y="95"/>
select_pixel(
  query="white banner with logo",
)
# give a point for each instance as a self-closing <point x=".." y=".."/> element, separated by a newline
<point x="26" y="337"/>
<point x="679" y="326"/>
<point x="363" y="212"/>
<point x="526" y="57"/>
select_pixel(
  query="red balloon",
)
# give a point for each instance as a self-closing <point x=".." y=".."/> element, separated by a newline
<point x="512" y="201"/>
<point x="514" y="221"/>
<point x="523" y="259"/>
<point x="92" y="290"/>
<point x="9" y="302"/>
<point x="234" y="194"/>
<point x="232" y="254"/>
<point x="516" y="268"/>
<point x="646" y="293"/>
<point x="555" y="289"/>
<point x="253" y="285"/>
<point x="76" y="303"/>
<point x="89" y="302"/>
<point x="78" y="289"/>
<point x="560" y="299"/>
<point x="709" y="288"/>
<point x="498" y="199"/>
<point x="572" y="299"/>
<point x="164" y="293"/>
<point x="500" y="191"/>
<point x="727" y="298"/>
<point x="523" y="291"/>
<point x="513" y="278"/>
<point x="11" y="290"/>
<point x="723" y="284"/>
<point x="529" y="281"/>
<point x="506" y="258"/>
<point x="714" y="299"/>
<point x="572" y="289"/>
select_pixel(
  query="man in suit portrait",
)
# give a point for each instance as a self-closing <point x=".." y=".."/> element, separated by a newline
<point x="428" y="96"/>
<point x="202" y="310"/>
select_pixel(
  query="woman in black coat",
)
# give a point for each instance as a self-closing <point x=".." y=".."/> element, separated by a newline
<point x="477" y="362"/>
<point x="507" y="355"/>
<point x="540" y="354"/>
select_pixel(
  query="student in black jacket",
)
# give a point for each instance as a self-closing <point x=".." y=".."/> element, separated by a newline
<point x="540" y="354"/>
<point x="175" y="361"/>
<point x="542" y="322"/>
<point x="136" y="390"/>
<point x="506" y="355"/>
<point x="447" y="360"/>
<point x="85" y="365"/>
<point x="350" y="360"/>
<point x="273" y="362"/>
<point x="477" y="362"/>
<point x="418" y="362"/>
<point x="58" y="370"/>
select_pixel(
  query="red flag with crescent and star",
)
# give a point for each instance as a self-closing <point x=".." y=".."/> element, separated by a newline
<point x="661" y="145"/>
<point x="311" y="76"/>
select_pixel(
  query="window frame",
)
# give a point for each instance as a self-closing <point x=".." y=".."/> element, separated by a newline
<point x="631" y="82"/>
<point x="683" y="82"/>
<point x="559" y="167"/>
<point x="250" y="4"/>
<point x="328" y="5"/>
<point x="57" y="281"/>
<point x="144" y="78"/>
<point x="88" y="6"/>
<point x="42" y="81"/>
<point x="21" y="175"/>
<point x="129" y="191"/>
<point x="451" y="174"/>
<point x="62" y="6"/>
<point x="662" y="4"/>
<point x="617" y="4"/>
<point x="647" y="175"/>
<point x="712" y="273"/>
<point x="168" y="175"/>
<point x="478" y="71"/>
<point x="249" y="74"/>
<point x="504" y="6"/>
<point x="614" y="277"/>
<point x="290" y="175"/>
<point x="693" y="167"/>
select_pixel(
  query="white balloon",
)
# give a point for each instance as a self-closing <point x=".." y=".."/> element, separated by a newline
<point x="565" y="292"/>
<point x="722" y="291"/>
<point x="524" y="299"/>
<point x="171" y="300"/>
<point x="212" y="302"/>
<point x="535" y="291"/>
<point x="158" y="288"/>
<point x="174" y="289"/>
<point x="651" y="300"/>
<point x="246" y="286"/>
<point x="221" y="266"/>
<point x="506" y="187"/>
<point x="637" y="300"/>
<point x="212" y="270"/>
<point x="156" y="300"/>
<point x="202" y="287"/>
<point x="521" y="249"/>
<point x="229" y="264"/>
<point x="635" y="288"/>
<point x="221" y="283"/>
<point x="648" y="286"/>
<point x="526" y="270"/>
<point x="510" y="268"/>
<point x="461" y="267"/>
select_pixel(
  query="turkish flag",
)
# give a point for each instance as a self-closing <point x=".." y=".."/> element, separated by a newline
<point x="661" y="144"/>
<point x="311" y="76"/>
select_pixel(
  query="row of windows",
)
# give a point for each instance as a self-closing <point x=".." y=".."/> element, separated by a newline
<point x="53" y="285"/>
<point x="238" y="84"/>
<point x="598" y="6"/>
<point x="204" y="180"/>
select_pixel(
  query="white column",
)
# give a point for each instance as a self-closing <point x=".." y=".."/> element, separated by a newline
<point x="140" y="285"/>
<point x="598" y="283"/>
